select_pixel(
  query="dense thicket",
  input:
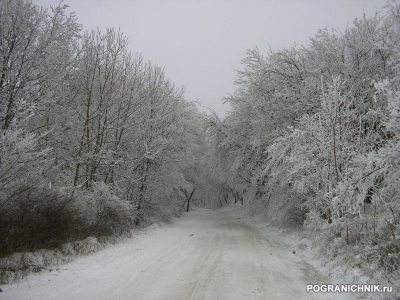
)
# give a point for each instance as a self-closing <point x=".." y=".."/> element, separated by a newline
<point x="313" y="136"/>
<point x="93" y="139"/>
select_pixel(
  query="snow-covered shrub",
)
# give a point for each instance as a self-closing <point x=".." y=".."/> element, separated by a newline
<point x="22" y="162"/>
<point x="108" y="213"/>
<point x="32" y="216"/>
<point x="277" y="201"/>
<point x="38" y="218"/>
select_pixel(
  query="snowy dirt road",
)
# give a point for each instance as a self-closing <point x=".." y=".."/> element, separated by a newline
<point x="204" y="255"/>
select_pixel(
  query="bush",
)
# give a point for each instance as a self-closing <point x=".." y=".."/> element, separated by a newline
<point x="111" y="215"/>
<point x="38" y="218"/>
<point x="390" y="256"/>
<point x="35" y="218"/>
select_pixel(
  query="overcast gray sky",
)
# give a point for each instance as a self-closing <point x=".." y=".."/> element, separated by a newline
<point x="201" y="42"/>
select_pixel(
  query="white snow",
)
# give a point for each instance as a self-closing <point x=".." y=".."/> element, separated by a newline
<point x="205" y="254"/>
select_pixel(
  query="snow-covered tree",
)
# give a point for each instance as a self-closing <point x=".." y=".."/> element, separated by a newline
<point x="305" y="119"/>
<point x="35" y="57"/>
<point x="92" y="137"/>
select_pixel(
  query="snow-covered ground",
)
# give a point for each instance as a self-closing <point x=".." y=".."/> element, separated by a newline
<point x="206" y="254"/>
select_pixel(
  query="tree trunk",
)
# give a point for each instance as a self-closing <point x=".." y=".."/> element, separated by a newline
<point x="188" y="200"/>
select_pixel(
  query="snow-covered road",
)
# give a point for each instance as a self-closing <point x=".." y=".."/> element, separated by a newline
<point x="204" y="255"/>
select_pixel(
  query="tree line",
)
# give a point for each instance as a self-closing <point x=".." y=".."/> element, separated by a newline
<point x="313" y="136"/>
<point x="93" y="139"/>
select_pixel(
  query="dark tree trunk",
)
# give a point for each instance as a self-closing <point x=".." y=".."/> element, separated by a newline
<point x="188" y="200"/>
